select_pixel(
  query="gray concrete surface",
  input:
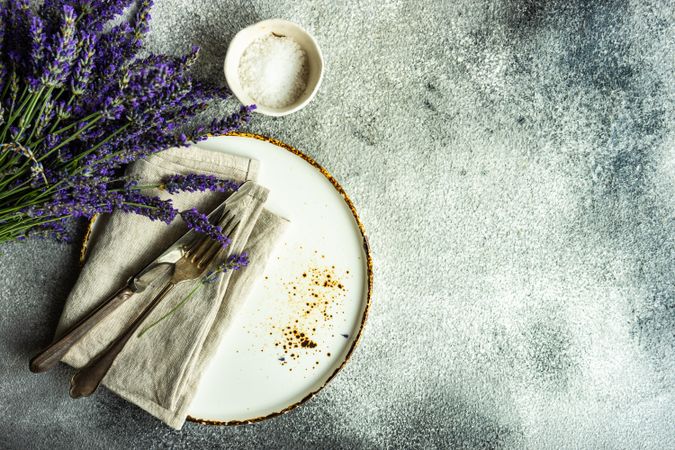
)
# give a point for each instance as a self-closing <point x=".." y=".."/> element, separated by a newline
<point x="513" y="163"/>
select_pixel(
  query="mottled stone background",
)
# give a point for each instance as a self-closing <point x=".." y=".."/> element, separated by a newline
<point x="514" y="165"/>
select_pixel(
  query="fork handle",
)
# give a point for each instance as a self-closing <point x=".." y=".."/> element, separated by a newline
<point x="88" y="378"/>
<point x="50" y="356"/>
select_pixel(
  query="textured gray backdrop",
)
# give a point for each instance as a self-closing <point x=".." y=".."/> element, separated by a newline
<point x="513" y="163"/>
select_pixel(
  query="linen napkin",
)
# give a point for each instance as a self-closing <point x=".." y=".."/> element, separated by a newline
<point x="159" y="371"/>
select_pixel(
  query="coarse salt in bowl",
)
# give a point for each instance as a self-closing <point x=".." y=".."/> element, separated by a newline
<point x="274" y="64"/>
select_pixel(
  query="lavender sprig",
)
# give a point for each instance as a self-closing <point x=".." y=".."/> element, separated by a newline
<point x="151" y="207"/>
<point x="231" y="123"/>
<point x="84" y="66"/>
<point x="38" y="42"/>
<point x="62" y="51"/>
<point x="232" y="263"/>
<point x="3" y="66"/>
<point x="198" y="182"/>
<point x="142" y="22"/>
<point x="200" y="223"/>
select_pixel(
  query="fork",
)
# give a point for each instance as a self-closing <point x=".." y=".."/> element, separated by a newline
<point x="191" y="266"/>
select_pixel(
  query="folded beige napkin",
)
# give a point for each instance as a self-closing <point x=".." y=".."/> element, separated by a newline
<point x="159" y="370"/>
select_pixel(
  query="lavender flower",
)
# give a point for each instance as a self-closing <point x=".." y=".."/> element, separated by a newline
<point x="112" y="51"/>
<point x="13" y="88"/>
<point x="3" y="66"/>
<point x="63" y="110"/>
<point x="197" y="182"/>
<point x="232" y="263"/>
<point x="142" y="22"/>
<point x="43" y="120"/>
<point x="17" y="22"/>
<point x="153" y="208"/>
<point x="37" y="32"/>
<point x="62" y="51"/>
<point x="84" y="65"/>
<point x="232" y="122"/>
<point x="57" y="231"/>
<point x="101" y="11"/>
<point x="79" y="104"/>
<point x="200" y="223"/>
<point x="82" y="197"/>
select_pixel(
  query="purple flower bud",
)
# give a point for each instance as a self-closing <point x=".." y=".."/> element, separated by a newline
<point x="37" y="32"/>
<point x="232" y="263"/>
<point x="84" y="65"/>
<point x="62" y="51"/>
<point x="232" y="122"/>
<point x="200" y="223"/>
<point x="53" y="230"/>
<point x="45" y="118"/>
<point x="151" y="207"/>
<point x="198" y="182"/>
<point x="142" y="22"/>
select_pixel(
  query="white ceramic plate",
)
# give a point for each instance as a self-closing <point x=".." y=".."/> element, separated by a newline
<point x="303" y="319"/>
<point x="313" y="298"/>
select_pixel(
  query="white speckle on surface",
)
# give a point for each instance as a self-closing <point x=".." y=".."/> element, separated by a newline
<point x="273" y="71"/>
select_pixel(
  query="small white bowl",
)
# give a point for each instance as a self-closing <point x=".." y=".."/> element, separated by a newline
<point x="280" y="27"/>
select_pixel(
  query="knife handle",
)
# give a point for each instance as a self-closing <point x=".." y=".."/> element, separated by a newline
<point x="50" y="356"/>
<point x="87" y="379"/>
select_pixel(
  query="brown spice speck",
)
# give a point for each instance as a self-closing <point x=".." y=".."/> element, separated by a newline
<point x="312" y="297"/>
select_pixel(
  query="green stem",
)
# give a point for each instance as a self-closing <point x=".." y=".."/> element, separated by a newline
<point x="44" y="193"/>
<point x="16" y="229"/>
<point x="73" y="163"/>
<point x="172" y="310"/>
<point x="27" y="117"/>
<point x="58" y="119"/>
<point x="8" y="212"/>
<point x="20" y="204"/>
<point x="4" y="91"/>
<point x="42" y="110"/>
<point x="4" y="166"/>
<point x="13" y="115"/>
<point x="17" y="174"/>
<point x="23" y="186"/>
<point x="70" y="138"/>
<point x="68" y="127"/>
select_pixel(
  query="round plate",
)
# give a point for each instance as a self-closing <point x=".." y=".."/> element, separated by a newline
<point x="303" y="319"/>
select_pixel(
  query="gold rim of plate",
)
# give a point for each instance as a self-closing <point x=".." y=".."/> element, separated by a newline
<point x="369" y="270"/>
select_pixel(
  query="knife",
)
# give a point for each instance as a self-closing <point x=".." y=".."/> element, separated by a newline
<point x="50" y="356"/>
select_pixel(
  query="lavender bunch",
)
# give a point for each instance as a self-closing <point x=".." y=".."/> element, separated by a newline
<point x="78" y="101"/>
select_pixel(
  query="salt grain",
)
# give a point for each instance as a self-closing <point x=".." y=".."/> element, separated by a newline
<point x="273" y="71"/>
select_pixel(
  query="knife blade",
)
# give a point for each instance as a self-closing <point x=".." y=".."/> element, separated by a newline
<point x="161" y="265"/>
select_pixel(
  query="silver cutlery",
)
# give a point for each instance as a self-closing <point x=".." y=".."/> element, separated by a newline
<point x="50" y="356"/>
<point x="191" y="266"/>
